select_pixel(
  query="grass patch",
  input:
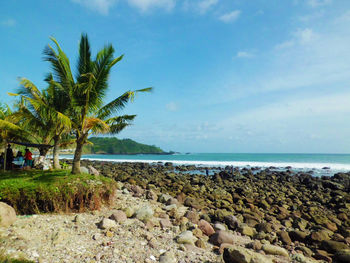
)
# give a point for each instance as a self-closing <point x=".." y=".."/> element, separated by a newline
<point x="7" y="259"/>
<point x="32" y="191"/>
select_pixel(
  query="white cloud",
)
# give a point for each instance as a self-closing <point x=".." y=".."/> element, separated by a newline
<point x="101" y="6"/>
<point x="171" y="106"/>
<point x="205" y="5"/>
<point x="230" y="17"/>
<point x="145" y="5"/>
<point x="305" y="36"/>
<point x="301" y="36"/>
<point x="244" y="54"/>
<point x="8" y="22"/>
<point x="318" y="3"/>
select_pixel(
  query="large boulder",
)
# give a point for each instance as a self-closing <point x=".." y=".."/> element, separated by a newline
<point x="7" y="215"/>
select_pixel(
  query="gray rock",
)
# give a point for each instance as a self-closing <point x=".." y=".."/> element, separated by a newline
<point x="118" y="216"/>
<point x="167" y="257"/>
<point x="107" y="224"/>
<point x="221" y="237"/>
<point x="144" y="213"/>
<point x="163" y="198"/>
<point x="186" y="237"/>
<point x="275" y="250"/>
<point x="7" y="215"/>
<point x="219" y="226"/>
<point x="84" y="170"/>
<point x="93" y="171"/>
<point x="242" y="255"/>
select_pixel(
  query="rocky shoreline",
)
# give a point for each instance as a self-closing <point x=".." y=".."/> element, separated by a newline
<point x="165" y="213"/>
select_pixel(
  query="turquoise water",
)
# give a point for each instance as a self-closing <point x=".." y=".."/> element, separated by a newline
<point x="339" y="162"/>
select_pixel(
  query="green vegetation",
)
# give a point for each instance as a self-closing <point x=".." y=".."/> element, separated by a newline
<point x="116" y="146"/>
<point x="70" y="105"/>
<point x="31" y="191"/>
<point x="85" y="93"/>
<point x="7" y="259"/>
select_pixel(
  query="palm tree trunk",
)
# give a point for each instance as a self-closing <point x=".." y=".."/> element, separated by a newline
<point x="77" y="155"/>
<point x="56" y="161"/>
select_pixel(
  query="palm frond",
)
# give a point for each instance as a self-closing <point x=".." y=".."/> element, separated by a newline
<point x="95" y="125"/>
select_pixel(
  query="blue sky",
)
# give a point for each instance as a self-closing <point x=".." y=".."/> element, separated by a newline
<point x="229" y="75"/>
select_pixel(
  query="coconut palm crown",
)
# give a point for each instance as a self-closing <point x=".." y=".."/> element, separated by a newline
<point x="85" y="93"/>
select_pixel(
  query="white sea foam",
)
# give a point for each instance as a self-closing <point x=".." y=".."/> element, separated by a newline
<point x="295" y="165"/>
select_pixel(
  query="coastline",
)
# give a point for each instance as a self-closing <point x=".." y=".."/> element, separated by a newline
<point x="262" y="213"/>
<point x="323" y="167"/>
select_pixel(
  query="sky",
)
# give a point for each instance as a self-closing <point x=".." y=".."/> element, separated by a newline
<point x="255" y="76"/>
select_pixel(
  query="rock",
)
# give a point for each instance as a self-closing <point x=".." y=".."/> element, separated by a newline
<point x="333" y="246"/>
<point x="144" y="213"/>
<point x="265" y="227"/>
<point x="232" y="222"/>
<point x="191" y="203"/>
<point x="7" y="215"/>
<point x="256" y="245"/>
<point x="119" y="216"/>
<point x="165" y="223"/>
<point x="221" y="237"/>
<point x="200" y="243"/>
<point x="163" y="198"/>
<point x="343" y="256"/>
<point x="275" y="250"/>
<point x="219" y="226"/>
<point x="302" y="259"/>
<point x="84" y="170"/>
<point x="283" y="235"/>
<point x="107" y="224"/>
<point x="206" y="228"/>
<point x="129" y="212"/>
<point x="150" y="195"/>
<point x="136" y="190"/>
<point x="246" y="230"/>
<point x="242" y="255"/>
<point x="186" y="237"/>
<point x="192" y="216"/>
<point x="167" y="257"/>
<point x="93" y="171"/>
<point x="298" y="235"/>
<point x="320" y="235"/>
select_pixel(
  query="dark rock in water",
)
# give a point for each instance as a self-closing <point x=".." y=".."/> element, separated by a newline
<point x="326" y="168"/>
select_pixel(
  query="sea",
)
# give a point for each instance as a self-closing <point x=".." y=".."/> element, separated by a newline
<point x="320" y="164"/>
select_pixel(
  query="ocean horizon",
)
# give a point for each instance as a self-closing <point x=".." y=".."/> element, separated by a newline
<point x="332" y="162"/>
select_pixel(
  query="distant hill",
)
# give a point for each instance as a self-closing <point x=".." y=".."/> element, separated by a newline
<point x="114" y="145"/>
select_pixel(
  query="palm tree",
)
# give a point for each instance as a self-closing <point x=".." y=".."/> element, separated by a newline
<point x="86" y="92"/>
<point x="11" y="131"/>
<point x="42" y="113"/>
